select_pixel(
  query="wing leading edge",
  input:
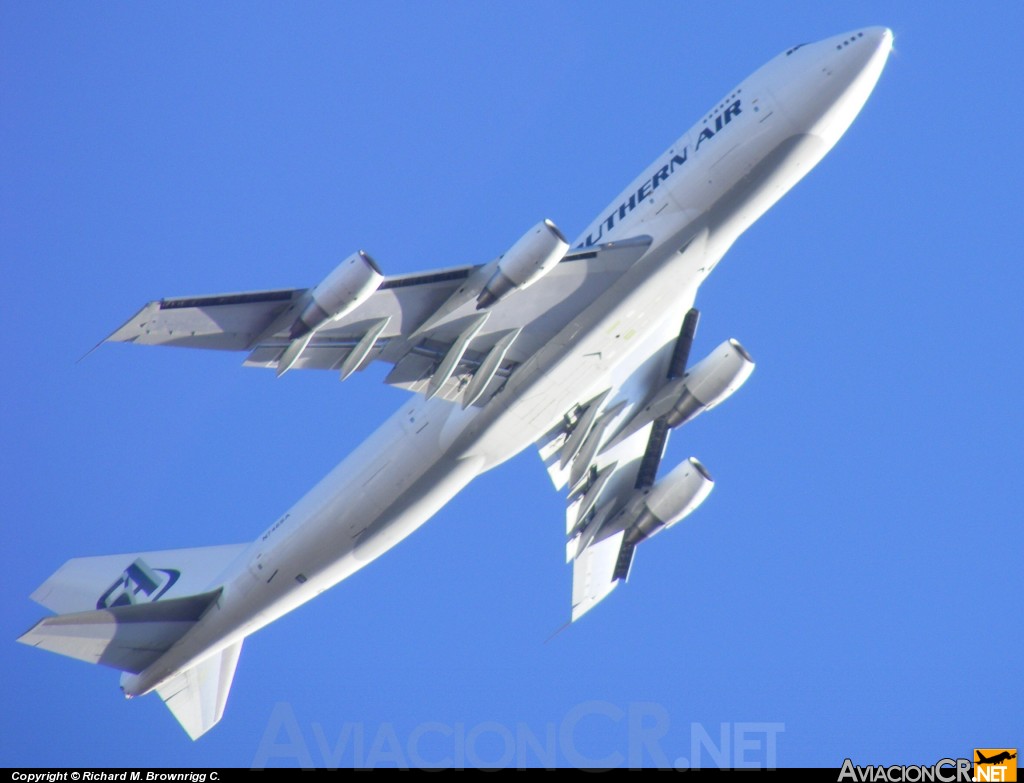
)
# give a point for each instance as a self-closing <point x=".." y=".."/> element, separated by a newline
<point x="606" y="474"/>
<point x="460" y="354"/>
<point x="399" y="325"/>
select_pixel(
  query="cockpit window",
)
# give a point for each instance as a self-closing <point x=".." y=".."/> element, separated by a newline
<point x="790" y="51"/>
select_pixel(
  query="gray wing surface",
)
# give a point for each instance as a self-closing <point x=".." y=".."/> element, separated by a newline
<point x="448" y="355"/>
<point x="600" y="480"/>
<point x="258" y="322"/>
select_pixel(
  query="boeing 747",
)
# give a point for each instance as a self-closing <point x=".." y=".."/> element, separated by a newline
<point x="581" y="349"/>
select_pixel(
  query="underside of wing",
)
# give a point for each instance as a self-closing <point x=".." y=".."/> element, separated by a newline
<point x="604" y="473"/>
<point x="593" y="574"/>
<point x="427" y="326"/>
<point x="608" y="449"/>
<point x="595" y="542"/>
<point x="223" y="322"/>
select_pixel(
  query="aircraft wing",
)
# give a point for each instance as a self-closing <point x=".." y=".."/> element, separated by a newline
<point x="405" y="323"/>
<point x="602" y="479"/>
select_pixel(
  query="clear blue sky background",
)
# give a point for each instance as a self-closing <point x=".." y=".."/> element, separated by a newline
<point x="855" y="576"/>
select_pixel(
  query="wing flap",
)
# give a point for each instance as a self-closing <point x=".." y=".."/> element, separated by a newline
<point x="417" y="327"/>
<point x="593" y="574"/>
<point x="602" y="473"/>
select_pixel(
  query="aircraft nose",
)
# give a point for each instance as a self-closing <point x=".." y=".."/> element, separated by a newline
<point x="860" y="53"/>
<point x="859" y="56"/>
<point x="881" y="37"/>
<point x="868" y="50"/>
<point x="835" y="84"/>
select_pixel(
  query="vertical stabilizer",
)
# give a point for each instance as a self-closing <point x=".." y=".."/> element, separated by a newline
<point x="88" y="583"/>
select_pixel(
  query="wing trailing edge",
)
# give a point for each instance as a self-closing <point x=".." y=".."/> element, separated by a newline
<point x="594" y="574"/>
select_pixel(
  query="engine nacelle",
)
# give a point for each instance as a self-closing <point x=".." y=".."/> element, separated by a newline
<point x="711" y="381"/>
<point x="351" y="283"/>
<point x="533" y="256"/>
<point x="672" y="499"/>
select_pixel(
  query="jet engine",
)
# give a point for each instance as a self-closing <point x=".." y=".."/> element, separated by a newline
<point x="671" y="500"/>
<point x="711" y="381"/>
<point x="533" y="256"/>
<point x="351" y="283"/>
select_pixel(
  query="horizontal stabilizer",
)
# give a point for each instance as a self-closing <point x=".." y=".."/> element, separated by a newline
<point x="197" y="696"/>
<point x="128" y="637"/>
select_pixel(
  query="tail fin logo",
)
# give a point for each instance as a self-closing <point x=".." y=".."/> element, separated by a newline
<point x="139" y="584"/>
<point x="999" y="764"/>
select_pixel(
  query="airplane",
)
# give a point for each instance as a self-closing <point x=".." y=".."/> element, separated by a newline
<point x="580" y="349"/>
<point x="999" y="758"/>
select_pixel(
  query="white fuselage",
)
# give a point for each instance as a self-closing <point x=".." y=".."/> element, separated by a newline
<point x="708" y="187"/>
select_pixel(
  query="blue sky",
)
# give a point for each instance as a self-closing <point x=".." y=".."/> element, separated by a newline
<point x="851" y="588"/>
